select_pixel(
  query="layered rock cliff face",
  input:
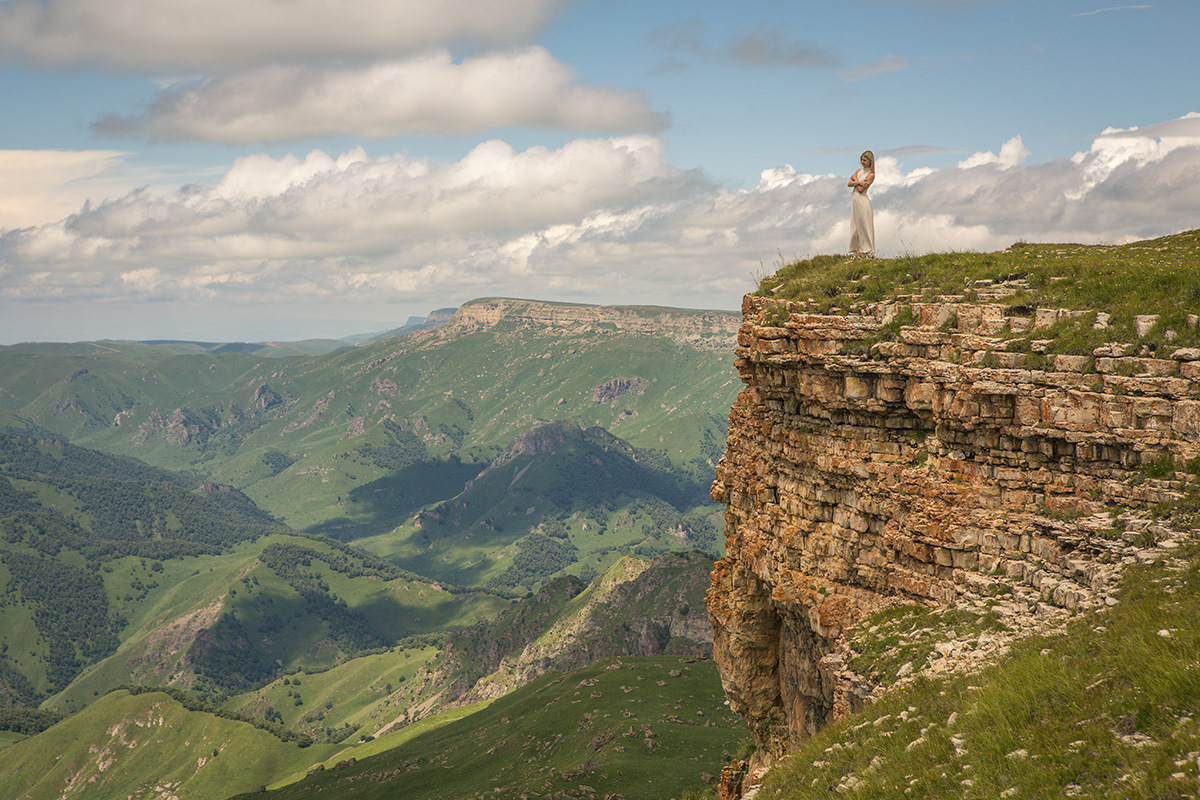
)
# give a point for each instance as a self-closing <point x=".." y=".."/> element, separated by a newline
<point x="873" y="463"/>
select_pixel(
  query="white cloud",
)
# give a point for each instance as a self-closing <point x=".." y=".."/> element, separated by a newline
<point x="40" y="185"/>
<point x="1116" y="147"/>
<point x="885" y="64"/>
<point x="778" y="177"/>
<point x="1012" y="153"/>
<point x="429" y="93"/>
<point x="320" y="225"/>
<point x="173" y="35"/>
<point x="598" y="220"/>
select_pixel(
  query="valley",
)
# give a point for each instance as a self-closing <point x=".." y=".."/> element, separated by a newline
<point x="315" y="553"/>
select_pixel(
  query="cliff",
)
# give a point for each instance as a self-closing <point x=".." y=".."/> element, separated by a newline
<point x="898" y="453"/>
<point x="704" y="330"/>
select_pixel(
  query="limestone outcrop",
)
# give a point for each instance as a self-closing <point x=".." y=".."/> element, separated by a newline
<point x="900" y="454"/>
<point x="704" y="330"/>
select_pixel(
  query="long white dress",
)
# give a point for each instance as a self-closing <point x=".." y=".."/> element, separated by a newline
<point x="862" y="221"/>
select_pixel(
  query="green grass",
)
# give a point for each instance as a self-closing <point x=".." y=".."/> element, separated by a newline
<point x="1111" y="709"/>
<point x="583" y="733"/>
<point x="907" y="635"/>
<point x="606" y="497"/>
<point x="343" y="699"/>
<point x="10" y="738"/>
<point x="637" y="606"/>
<point x="145" y="745"/>
<point x="392" y="740"/>
<point x="1156" y="276"/>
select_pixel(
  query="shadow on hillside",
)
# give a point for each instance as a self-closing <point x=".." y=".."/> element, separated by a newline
<point x="434" y="566"/>
<point x="395" y="619"/>
<point x="381" y="505"/>
<point x="276" y="629"/>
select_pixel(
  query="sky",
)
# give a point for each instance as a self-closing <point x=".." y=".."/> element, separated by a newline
<point x="258" y="170"/>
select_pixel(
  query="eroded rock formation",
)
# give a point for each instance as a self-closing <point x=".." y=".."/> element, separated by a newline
<point x="928" y="466"/>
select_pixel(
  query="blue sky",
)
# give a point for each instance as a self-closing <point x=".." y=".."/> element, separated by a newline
<point x="249" y="169"/>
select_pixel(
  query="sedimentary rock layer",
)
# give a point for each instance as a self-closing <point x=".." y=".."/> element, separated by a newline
<point x="928" y="465"/>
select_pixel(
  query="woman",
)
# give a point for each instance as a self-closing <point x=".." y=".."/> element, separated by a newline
<point x="862" y="216"/>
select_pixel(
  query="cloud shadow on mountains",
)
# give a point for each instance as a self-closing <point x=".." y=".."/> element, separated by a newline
<point x="383" y="504"/>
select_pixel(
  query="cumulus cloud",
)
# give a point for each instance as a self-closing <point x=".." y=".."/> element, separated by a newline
<point x="597" y="220"/>
<point x="174" y="35"/>
<point x="430" y="93"/>
<point x="1012" y="153"/>
<point x="323" y="225"/>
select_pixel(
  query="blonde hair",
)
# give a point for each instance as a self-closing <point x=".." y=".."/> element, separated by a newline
<point x="871" y="156"/>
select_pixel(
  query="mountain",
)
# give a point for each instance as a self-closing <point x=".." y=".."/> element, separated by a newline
<point x="139" y="599"/>
<point x="637" y="607"/>
<point x="116" y="572"/>
<point x="256" y="656"/>
<point x="557" y="496"/>
<point x="380" y="439"/>
<point x="263" y="349"/>
<point x="371" y="542"/>
<point x="437" y="317"/>
<point x="629" y="727"/>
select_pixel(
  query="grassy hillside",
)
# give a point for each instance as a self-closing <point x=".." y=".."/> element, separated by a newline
<point x="1112" y="709"/>
<point x="565" y="500"/>
<point x="281" y="604"/>
<point x="344" y="703"/>
<point x="637" y="607"/>
<point x="146" y="745"/>
<point x="636" y="727"/>
<point x="525" y="446"/>
<point x="632" y="728"/>
<point x="309" y="638"/>
<point x="84" y="541"/>
<point x="115" y="572"/>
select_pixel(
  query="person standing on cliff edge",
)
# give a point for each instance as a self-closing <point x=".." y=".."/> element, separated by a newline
<point x="862" y="216"/>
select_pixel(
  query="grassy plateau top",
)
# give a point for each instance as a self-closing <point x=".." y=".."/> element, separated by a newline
<point x="1116" y="283"/>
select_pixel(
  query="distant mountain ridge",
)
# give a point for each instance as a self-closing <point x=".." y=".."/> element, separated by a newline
<point x="360" y="442"/>
<point x="715" y="330"/>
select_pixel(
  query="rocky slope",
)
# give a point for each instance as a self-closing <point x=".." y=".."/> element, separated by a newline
<point x="637" y="607"/>
<point x="899" y="454"/>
